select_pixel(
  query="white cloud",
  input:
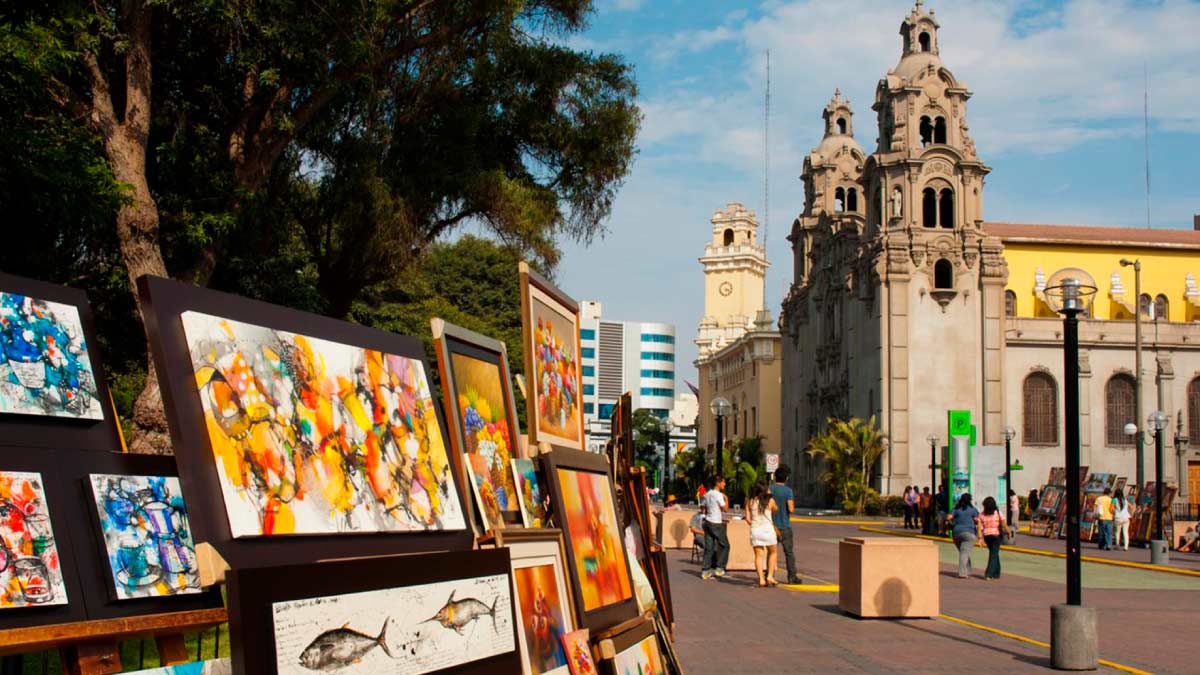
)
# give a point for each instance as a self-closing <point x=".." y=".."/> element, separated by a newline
<point x="628" y="5"/>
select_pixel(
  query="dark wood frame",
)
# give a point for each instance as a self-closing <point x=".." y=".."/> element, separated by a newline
<point x="253" y="590"/>
<point x="530" y="278"/>
<point x="45" y="431"/>
<point x="630" y="636"/>
<point x="448" y="340"/>
<point x="163" y="301"/>
<point x="587" y="462"/>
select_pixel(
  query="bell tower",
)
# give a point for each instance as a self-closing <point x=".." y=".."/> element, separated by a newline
<point x="735" y="266"/>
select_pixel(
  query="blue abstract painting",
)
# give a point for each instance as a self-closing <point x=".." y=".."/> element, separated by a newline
<point x="146" y="534"/>
<point x="44" y="364"/>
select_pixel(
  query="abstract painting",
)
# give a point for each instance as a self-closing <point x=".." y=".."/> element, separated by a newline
<point x="412" y="629"/>
<point x="310" y="436"/>
<point x="551" y="328"/>
<point x="216" y="667"/>
<point x="591" y="526"/>
<point x="533" y="511"/>
<point x="479" y="469"/>
<point x="30" y="570"/>
<point x="44" y="364"/>
<point x="579" y="652"/>
<point x="147" y="536"/>
<point x="642" y="658"/>
<point x="541" y="592"/>
<point x="486" y="429"/>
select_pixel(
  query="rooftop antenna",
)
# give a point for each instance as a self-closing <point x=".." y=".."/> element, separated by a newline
<point x="766" y="223"/>
<point x="1146" y="133"/>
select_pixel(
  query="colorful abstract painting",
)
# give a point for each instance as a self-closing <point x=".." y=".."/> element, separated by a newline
<point x="30" y="570"/>
<point x="591" y="526"/>
<point x="541" y="592"/>
<point x="487" y="431"/>
<point x="147" y="536"/>
<point x="44" y="363"/>
<point x="402" y="631"/>
<point x="642" y="658"/>
<point x="480" y="472"/>
<point x="311" y="436"/>
<point x="579" y="653"/>
<point x="529" y="493"/>
<point x="555" y="382"/>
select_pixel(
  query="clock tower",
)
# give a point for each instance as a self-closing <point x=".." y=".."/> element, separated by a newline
<point x="735" y="266"/>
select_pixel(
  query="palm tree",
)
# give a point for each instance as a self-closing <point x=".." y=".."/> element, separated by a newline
<point x="850" y="449"/>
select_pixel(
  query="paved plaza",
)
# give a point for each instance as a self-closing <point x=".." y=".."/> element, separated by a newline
<point x="1146" y="618"/>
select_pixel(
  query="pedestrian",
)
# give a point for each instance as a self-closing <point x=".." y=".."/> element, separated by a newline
<point x="965" y="523"/>
<point x="760" y="509"/>
<point x="1120" y="520"/>
<point x="926" y="506"/>
<point x="784" y="505"/>
<point x="716" y="540"/>
<point x="1014" y="507"/>
<point x="992" y="527"/>
<point x="908" y="507"/>
<point x="1031" y="503"/>
<point x="1104" y="515"/>
<point x="941" y="504"/>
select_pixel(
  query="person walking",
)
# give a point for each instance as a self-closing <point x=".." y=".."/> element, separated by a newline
<point x="759" y="511"/>
<point x="908" y="507"/>
<point x="785" y="503"/>
<point x="1120" y="520"/>
<point x="1104" y="515"/>
<point x="1031" y="503"/>
<point x="1014" y="507"/>
<point x="941" y="506"/>
<point x="992" y="527"/>
<point x="964" y="521"/>
<point x="925" y="504"/>
<point x="716" y="540"/>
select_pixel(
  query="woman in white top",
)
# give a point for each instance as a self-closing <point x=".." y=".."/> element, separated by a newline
<point x="762" y="533"/>
<point x="1120" y="519"/>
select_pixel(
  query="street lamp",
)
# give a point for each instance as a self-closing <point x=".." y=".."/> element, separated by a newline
<point x="933" y="441"/>
<point x="1009" y="434"/>
<point x="1137" y="364"/>
<point x="1072" y="626"/>
<point x="720" y="408"/>
<point x="1158" y="548"/>
<point x="664" y="425"/>
<point x="1181" y="446"/>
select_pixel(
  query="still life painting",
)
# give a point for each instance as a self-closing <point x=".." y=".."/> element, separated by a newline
<point x="30" y="569"/>
<point x="579" y="652"/>
<point x="311" y="436"/>
<point x="529" y="493"/>
<point x="590" y="521"/>
<point x="544" y="615"/>
<point x="408" y="630"/>
<point x="555" y="381"/>
<point x="44" y="364"/>
<point x="487" y="431"/>
<point x="147" y="537"/>
<point x="480" y="471"/>
<point x="642" y="658"/>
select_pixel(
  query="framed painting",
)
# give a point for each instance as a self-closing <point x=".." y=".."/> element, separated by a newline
<point x="579" y="652"/>
<point x="550" y="323"/>
<point x="636" y="652"/>
<point x="287" y="424"/>
<point x="482" y="415"/>
<point x="584" y="505"/>
<point x="529" y="493"/>
<point x="31" y="566"/>
<point x="434" y="613"/>
<point x="545" y="611"/>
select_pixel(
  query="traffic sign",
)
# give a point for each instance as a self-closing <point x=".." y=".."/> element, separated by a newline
<point x="772" y="463"/>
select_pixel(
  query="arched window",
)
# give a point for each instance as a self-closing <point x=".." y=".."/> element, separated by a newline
<point x="1144" y="305"/>
<point x="926" y="131"/>
<point x="946" y="208"/>
<point x="924" y="41"/>
<point x="943" y="274"/>
<point x="728" y="237"/>
<point x="1193" y="410"/>
<point x="841" y="124"/>
<point x="1039" y="409"/>
<point x="839" y="200"/>
<point x="1010" y="303"/>
<point x="939" y="130"/>
<point x="1118" y="409"/>
<point x="852" y="200"/>
<point x="1161" y="307"/>
<point x="929" y="207"/>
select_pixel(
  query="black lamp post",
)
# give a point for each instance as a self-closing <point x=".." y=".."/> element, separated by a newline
<point x="720" y="408"/>
<point x="1009" y="434"/>
<point x="664" y="425"/>
<point x="933" y="467"/>
<point x="1072" y="627"/>
<point x="1158" y="422"/>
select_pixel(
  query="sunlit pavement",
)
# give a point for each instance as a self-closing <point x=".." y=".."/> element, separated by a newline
<point x="1146" y="619"/>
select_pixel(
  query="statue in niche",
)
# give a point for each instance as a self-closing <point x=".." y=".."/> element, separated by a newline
<point x="897" y="205"/>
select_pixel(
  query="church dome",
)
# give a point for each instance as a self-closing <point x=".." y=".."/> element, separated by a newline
<point x="916" y="62"/>
<point x="839" y="128"/>
<point x="830" y="146"/>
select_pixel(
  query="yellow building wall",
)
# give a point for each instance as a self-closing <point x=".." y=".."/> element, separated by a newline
<point x="1163" y="272"/>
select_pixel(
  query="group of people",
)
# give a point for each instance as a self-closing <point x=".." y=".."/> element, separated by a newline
<point x="919" y="508"/>
<point x="769" y="514"/>
<point x="1112" y="516"/>
<point x="970" y="528"/>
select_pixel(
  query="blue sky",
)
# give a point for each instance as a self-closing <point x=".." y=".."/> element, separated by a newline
<point x="1056" y="113"/>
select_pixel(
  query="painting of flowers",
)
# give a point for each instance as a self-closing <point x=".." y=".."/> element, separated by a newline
<point x="642" y="658"/>
<point x="30" y="570"/>
<point x="44" y="364"/>
<point x="579" y="653"/>
<point x="486" y="429"/>
<point x="556" y="378"/>
<point x="310" y="436"/>
<point x="485" y="495"/>
<point x="597" y="551"/>
<point x="533" y="510"/>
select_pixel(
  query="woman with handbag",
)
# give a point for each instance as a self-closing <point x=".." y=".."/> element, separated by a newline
<point x="992" y="528"/>
<point x="763" y="536"/>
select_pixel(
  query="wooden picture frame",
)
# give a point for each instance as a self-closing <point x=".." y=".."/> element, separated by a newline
<point x="536" y="548"/>
<point x="458" y="346"/>
<point x="542" y="300"/>
<point x="260" y="599"/>
<point x="565" y="470"/>
<point x="165" y="303"/>
<point x="641" y="635"/>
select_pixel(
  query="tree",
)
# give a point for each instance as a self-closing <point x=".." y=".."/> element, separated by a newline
<point x="744" y="466"/>
<point x="389" y="124"/>
<point x="648" y="439"/>
<point x="850" y="449"/>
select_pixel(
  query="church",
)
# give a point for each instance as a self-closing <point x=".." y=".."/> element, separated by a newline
<point x="906" y="303"/>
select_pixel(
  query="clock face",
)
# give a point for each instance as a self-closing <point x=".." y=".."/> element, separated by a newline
<point x="725" y="288"/>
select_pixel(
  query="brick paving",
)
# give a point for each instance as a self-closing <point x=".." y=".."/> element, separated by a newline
<point x="731" y="626"/>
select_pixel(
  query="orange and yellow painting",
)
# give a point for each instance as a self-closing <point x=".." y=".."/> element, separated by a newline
<point x="640" y="659"/>
<point x="579" y="652"/>
<point x="596" y="548"/>
<point x="542" y="620"/>
<point x="487" y="431"/>
<point x="311" y="436"/>
<point x="555" y="382"/>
